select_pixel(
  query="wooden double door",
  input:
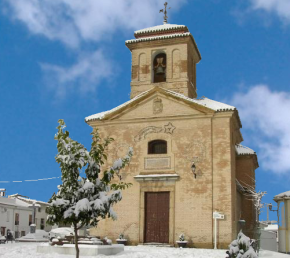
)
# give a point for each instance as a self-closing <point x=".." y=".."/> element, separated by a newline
<point x="156" y="217"/>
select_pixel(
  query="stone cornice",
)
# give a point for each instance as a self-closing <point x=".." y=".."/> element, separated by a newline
<point x="157" y="177"/>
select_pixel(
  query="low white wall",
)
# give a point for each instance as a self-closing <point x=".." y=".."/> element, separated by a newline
<point x="269" y="241"/>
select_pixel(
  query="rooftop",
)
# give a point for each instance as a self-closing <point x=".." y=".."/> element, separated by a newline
<point x="25" y="199"/>
<point x="205" y="102"/>
<point x="243" y="150"/>
<point x="13" y="202"/>
<point x="285" y="195"/>
<point x="156" y="37"/>
<point x="162" y="32"/>
<point x="161" y="28"/>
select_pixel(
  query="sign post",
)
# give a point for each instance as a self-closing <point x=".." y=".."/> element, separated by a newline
<point x="216" y="216"/>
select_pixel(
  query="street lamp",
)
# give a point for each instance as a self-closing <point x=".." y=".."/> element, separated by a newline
<point x="193" y="169"/>
<point x="33" y="226"/>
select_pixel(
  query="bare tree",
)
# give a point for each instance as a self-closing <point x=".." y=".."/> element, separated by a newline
<point x="256" y="197"/>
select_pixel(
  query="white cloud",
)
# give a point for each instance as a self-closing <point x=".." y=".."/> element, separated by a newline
<point x="86" y="73"/>
<point x="279" y="7"/>
<point x="78" y="22"/>
<point x="266" y="114"/>
<point x="74" y="21"/>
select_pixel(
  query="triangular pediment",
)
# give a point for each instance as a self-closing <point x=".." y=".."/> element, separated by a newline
<point x="155" y="103"/>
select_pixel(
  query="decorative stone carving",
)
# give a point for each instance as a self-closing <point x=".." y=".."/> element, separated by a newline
<point x="169" y="128"/>
<point x="157" y="106"/>
<point x="147" y="130"/>
<point x="157" y="163"/>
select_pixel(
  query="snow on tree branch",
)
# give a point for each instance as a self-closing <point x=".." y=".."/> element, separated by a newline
<point x="85" y="200"/>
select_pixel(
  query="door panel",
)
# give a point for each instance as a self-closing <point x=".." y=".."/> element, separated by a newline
<point x="157" y="217"/>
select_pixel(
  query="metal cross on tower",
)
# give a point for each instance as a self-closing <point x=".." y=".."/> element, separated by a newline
<point x="165" y="12"/>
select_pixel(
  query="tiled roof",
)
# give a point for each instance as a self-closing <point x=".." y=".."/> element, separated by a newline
<point x="243" y="150"/>
<point x="205" y="102"/>
<point x="13" y="202"/>
<point x="27" y="200"/>
<point x="167" y="36"/>
<point x="161" y="32"/>
<point x="164" y="27"/>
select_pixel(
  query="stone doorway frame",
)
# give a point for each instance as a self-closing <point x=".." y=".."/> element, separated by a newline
<point x="157" y="186"/>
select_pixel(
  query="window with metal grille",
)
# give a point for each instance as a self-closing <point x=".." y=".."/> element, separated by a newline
<point x="157" y="147"/>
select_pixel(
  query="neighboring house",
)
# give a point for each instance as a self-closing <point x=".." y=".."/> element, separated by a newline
<point x="283" y="201"/>
<point x="188" y="161"/>
<point x="16" y="216"/>
<point x="40" y="215"/>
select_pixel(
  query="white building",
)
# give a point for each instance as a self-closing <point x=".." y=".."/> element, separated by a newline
<point x="40" y="214"/>
<point x="16" y="216"/>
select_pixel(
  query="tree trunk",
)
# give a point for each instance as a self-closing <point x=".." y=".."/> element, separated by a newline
<point x="76" y="241"/>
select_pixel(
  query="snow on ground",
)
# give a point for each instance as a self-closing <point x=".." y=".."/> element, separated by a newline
<point x="28" y="250"/>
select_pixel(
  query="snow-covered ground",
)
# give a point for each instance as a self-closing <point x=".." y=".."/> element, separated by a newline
<point x="28" y="250"/>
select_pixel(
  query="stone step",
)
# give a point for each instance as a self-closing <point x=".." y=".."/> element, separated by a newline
<point x="156" y="244"/>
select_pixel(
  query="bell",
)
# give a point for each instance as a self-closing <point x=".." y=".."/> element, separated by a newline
<point x="159" y="70"/>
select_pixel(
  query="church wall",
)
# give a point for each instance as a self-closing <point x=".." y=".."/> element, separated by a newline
<point x="246" y="176"/>
<point x="223" y="197"/>
<point x="233" y="141"/>
<point x="193" y="200"/>
<point x="238" y="209"/>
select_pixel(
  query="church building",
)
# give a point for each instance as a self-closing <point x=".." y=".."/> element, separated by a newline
<point x="188" y="161"/>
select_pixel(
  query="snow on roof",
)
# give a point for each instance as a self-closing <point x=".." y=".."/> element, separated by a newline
<point x="101" y="115"/>
<point x="271" y="227"/>
<point x="163" y="27"/>
<point x="13" y="202"/>
<point x="283" y="195"/>
<point x="243" y="150"/>
<point x="211" y="104"/>
<point x="167" y="36"/>
<point x="27" y="200"/>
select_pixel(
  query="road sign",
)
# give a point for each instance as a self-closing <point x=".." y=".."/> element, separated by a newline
<point x="217" y="215"/>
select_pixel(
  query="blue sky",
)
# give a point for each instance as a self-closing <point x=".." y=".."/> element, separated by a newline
<point x="67" y="59"/>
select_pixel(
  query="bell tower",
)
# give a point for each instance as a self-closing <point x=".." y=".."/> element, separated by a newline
<point x="164" y="56"/>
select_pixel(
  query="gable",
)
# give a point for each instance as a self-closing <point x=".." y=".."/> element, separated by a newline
<point x="204" y="105"/>
<point x="158" y="105"/>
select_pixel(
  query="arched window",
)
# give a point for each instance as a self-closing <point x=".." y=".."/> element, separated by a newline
<point x="159" y="68"/>
<point x="157" y="147"/>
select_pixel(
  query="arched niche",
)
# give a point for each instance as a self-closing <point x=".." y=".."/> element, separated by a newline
<point x="176" y="63"/>
<point x="142" y="72"/>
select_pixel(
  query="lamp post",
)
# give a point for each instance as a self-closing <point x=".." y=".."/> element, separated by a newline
<point x="271" y="207"/>
<point x="33" y="225"/>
